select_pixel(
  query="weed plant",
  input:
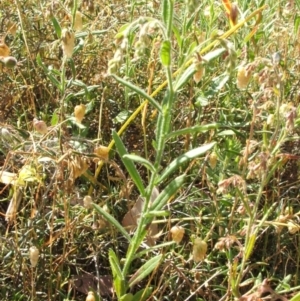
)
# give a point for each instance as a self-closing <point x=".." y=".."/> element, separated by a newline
<point x="149" y="150"/>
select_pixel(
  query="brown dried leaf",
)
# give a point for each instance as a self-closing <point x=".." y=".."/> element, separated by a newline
<point x="86" y="282"/>
<point x="131" y="219"/>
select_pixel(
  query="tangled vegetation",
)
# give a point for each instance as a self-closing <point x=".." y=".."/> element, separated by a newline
<point x="149" y="150"/>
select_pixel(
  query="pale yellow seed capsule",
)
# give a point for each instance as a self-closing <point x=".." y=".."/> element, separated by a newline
<point x="199" y="249"/>
<point x="102" y="152"/>
<point x="34" y="256"/>
<point x="293" y="227"/>
<point x="177" y="233"/>
<point x="90" y="297"/>
<point x="87" y="202"/>
<point x="68" y="42"/>
<point x="79" y="112"/>
<point x="9" y="61"/>
<point x="199" y="74"/>
<point x="243" y="78"/>
<point x="213" y="158"/>
<point x="78" y="21"/>
<point x="40" y="126"/>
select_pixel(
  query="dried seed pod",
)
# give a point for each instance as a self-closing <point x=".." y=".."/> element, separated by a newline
<point x="199" y="249"/>
<point x="243" y="77"/>
<point x="199" y="74"/>
<point x="68" y="42"/>
<point x="177" y="233"/>
<point x="293" y="227"/>
<point x="90" y="297"/>
<point x="40" y="126"/>
<point x="87" y="202"/>
<point x="34" y="256"/>
<point x="102" y="152"/>
<point x="9" y="61"/>
<point x="213" y="158"/>
<point x="78" y="21"/>
<point x="79" y="112"/>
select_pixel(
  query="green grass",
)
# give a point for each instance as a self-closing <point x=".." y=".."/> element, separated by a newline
<point x="190" y="119"/>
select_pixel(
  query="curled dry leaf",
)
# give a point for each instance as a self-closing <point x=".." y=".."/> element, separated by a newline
<point x="85" y="282"/>
<point x="131" y="218"/>
<point x="4" y="49"/>
<point x="263" y="290"/>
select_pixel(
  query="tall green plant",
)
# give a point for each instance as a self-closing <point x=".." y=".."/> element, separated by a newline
<point x="152" y="207"/>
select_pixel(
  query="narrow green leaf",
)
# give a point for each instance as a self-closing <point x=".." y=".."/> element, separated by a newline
<point x="54" y="119"/>
<point x="118" y="279"/>
<point x="139" y="91"/>
<point x="167" y="193"/>
<point x="57" y="27"/>
<point x="145" y="270"/>
<point x="250" y="246"/>
<point x="126" y="297"/>
<point x="112" y="221"/>
<point x="192" y="154"/>
<point x="73" y="68"/>
<point x="194" y="130"/>
<point x="157" y="213"/>
<point x="143" y="294"/>
<point x="189" y="72"/>
<point x="135" y="176"/>
<point x="213" y="54"/>
<point x="184" y="77"/>
<point x="166" y="10"/>
<point x="120" y="33"/>
<point x="154" y="248"/>
<point x="165" y="53"/>
<point x="74" y="10"/>
<point x="141" y="160"/>
<point x="296" y="297"/>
